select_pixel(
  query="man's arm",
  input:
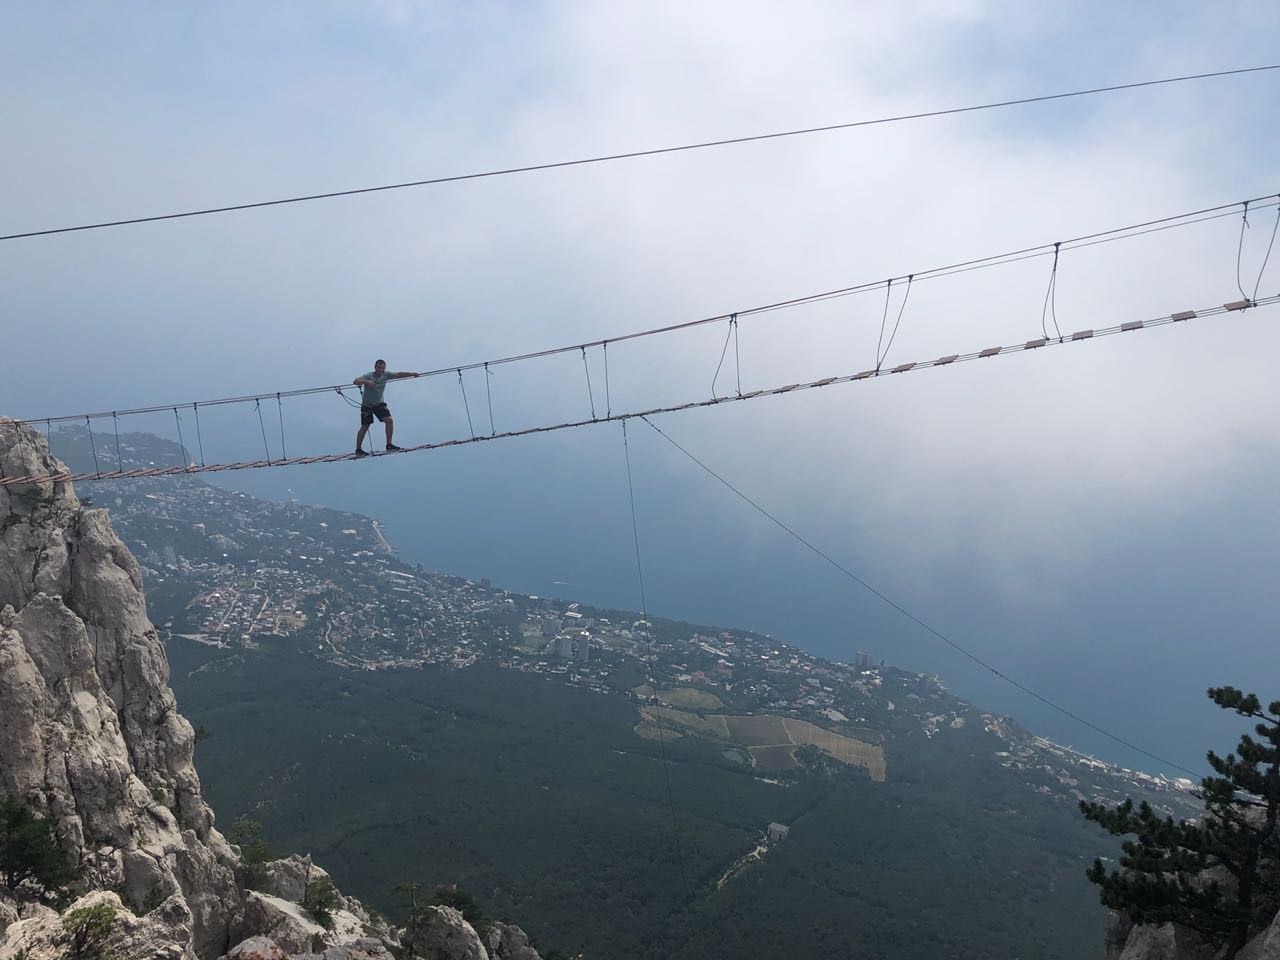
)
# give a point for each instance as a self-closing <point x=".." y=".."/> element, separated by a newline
<point x="361" y="382"/>
<point x="402" y="375"/>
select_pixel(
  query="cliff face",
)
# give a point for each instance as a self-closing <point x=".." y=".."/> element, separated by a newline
<point x="89" y="731"/>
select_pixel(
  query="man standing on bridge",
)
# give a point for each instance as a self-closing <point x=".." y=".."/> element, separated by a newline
<point x="372" y="405"/>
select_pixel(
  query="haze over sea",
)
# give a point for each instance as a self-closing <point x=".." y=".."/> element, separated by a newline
<point x="1096" y="520"/>
<point x="1130" y="642"/>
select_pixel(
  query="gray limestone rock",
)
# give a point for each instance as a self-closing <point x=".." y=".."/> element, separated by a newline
<point x="506" y="941"/>
<point x="364" y="949"/>
<point x="162" y="934"/>
<point x="1264" y="946"/>
<point x="8" y="915"/>
<point x="441" y="933"/>
<point x="288" y="878"/>
<point x="1164" y="942"/>
<point x="89" y="730"/>
<point x="256" y="948"/>
<point x="282" y="921"/>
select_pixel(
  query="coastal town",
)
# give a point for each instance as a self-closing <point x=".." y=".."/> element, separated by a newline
<point x="229" y="570"/>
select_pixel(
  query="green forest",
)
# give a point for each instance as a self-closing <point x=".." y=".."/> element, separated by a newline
<point x="540" y="801"/>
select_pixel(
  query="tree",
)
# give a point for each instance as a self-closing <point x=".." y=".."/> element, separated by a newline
<point x="254" y="851"/>
<point x="320" y="899"/>
<point x="1218" y="875"/>
<point x="411" y="888"/>
<point x="29" y="851"/>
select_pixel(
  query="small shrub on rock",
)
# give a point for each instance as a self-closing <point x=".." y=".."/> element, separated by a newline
<point x="90" y="928"/>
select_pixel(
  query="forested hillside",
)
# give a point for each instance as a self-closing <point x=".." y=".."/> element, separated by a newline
<point x="540" y="800"/>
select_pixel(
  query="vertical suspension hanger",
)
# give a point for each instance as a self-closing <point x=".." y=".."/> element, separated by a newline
<point x="92" y="446"/>
<point x="883" y="354"/>
<point x="119" y="459"/>
<point x="590" y="393"/>
<point x="257" y="405"/>
<point x="884" y="321"/>
<point x="737" y="357"/>
<point x="1244" y="225"/>
<point x="465" y="405"/>
<point x="280" y="410"/>
<point x="608" y="402"/>
<point x="1267" y="256"/>
<point x="195" y="407"/>
<point x="724" y="350"/>
<point x="489" y="396"/>
<point x="182" y="447"/>
<point x="1050" y="308"/>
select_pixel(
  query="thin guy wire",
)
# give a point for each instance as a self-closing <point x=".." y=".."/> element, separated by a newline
<point x="195" y="407"/>
<point x="916" y="620"/>
<point x="182" y="447"/>
<point x="119" y="458"/>
<point x="590" y="393"/>
<point x="1007" y="350"/>
<point x="951" y="111"/>
<point x="258" y="406"/>
<point x="653" y="680"/>
<point x="981" y="263"/>
<point x="489" y="396"/>
<point x="466" y="406"/>
<point x="1263" y="269"/>
<point x="284" y="455"/>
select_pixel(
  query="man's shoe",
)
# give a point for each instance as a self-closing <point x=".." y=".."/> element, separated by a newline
<point x="360" y="453"/>
<point x="392" y="448"/>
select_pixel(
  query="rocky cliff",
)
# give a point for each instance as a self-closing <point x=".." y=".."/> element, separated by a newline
<point x="1127" y="941"/>
<point x="90" y="738"/>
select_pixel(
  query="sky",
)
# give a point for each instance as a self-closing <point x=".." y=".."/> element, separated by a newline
<point x="1097" y="520"/>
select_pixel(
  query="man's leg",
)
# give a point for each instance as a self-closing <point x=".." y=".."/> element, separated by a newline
<point x="364" y="428"/>
<point x="390" y="425"/>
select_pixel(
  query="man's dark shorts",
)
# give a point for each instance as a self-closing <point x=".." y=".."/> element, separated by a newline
<point x="368" y="413"/>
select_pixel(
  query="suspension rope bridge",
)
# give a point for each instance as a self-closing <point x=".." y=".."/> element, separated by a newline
<point x="1028" y="346"/>
<point x="1130" y="231"/>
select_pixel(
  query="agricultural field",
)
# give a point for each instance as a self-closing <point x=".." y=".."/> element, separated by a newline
<point x="687" y="698"/>
<point x="770" y="740"/>
<point x="845" y="749"/>
<point x="774" y="759"/>
<point x="686" y="723"/>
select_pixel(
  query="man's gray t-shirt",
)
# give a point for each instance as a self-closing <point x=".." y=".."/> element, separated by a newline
<point x="371" y="394"/>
